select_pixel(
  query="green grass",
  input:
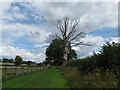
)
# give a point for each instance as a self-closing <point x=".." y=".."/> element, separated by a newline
<point x="50" y="78"/>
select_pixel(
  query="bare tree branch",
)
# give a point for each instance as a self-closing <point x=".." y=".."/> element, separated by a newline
<point x="52" y="36"/>
<point x="80" y="43"/>
<point x="57" y="36"/>
<point x="65" y="25"/>
<point x="82" y="34"/>
<point x="86" y="44"/>
<point x="73" y="30"/>
<point x="76" y="44"/>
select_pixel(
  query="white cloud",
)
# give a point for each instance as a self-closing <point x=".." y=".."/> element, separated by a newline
<point x="39" y="36"/>
<point x="115" y="39"/>
<point x="19" y="16"/>
<point x="93" y="15"/>
<point x="4" y="8"/>
<point x="95" y="42"/>
<point x="34" y="33"/>
<point x="11" y="52"/>
<point x="10" y="13"/>
<point x="60" y="1"/>
<point x="41" y="45"/>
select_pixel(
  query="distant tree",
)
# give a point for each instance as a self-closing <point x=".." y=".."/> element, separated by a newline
<point x="30" y="63"/>
<point x="18" y="60"/>
<point x="55" y="53"/>
<point x="41" y="64"/>
<point x="5" y="60"/>
<point x="10" y="60"/>
<point x="24" y="62"/>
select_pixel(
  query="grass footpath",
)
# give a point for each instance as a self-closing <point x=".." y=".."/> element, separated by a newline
<point x="50" y="78"/>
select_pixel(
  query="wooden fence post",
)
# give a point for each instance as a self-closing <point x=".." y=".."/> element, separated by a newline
<point x="27" y="69"/>
<point x="20" y="69"/>
<point x="23" y="69"/>
<point x="16" y="70"/>
<point x="31" y="68"/>
<point x="36" y="68"/>
<point x="4" y="77"/>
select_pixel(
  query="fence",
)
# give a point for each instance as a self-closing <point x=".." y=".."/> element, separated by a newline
<point x="10" y="71"/>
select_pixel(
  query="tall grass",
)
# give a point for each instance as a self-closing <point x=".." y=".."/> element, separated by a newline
<point x="90" y="80"/>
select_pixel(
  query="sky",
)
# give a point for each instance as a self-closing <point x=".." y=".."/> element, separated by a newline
<point x="26" y="26"/>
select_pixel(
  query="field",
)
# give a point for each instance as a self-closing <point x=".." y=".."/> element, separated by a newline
<point x="49" y="78"/>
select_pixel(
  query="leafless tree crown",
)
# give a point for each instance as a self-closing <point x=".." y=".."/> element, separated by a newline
<point x="69" y="31"/>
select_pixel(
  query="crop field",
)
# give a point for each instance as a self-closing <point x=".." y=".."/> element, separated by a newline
<point x="49" y="78"/>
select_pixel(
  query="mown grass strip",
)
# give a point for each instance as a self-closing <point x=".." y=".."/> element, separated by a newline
<point x="50" y="78"/>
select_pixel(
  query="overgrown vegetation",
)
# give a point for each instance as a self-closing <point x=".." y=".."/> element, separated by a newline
<point x="90" y="80"/>
<point x="100" y="70"/>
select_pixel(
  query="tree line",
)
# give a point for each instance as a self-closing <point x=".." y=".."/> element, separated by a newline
<point x="18" y="61"/>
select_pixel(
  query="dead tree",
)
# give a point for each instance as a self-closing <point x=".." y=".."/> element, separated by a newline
<point x="69" y="34"/>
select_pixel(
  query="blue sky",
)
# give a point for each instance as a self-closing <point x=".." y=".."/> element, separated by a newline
<point x="27" y="26"/>
<point x="106" y="32"/>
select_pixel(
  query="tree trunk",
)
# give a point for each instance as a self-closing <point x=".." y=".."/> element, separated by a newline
<point x="65" y="56"/>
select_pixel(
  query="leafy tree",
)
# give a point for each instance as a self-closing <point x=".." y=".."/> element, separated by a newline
<point x="30" y="62"/>
<point x="109" y="55"/>
<point x="18" y="60"/>
<point x="10" y="60"/>
<point x="24" y="62"/>
<point x="55" y="53"/>
<point x="5" y="60"/>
